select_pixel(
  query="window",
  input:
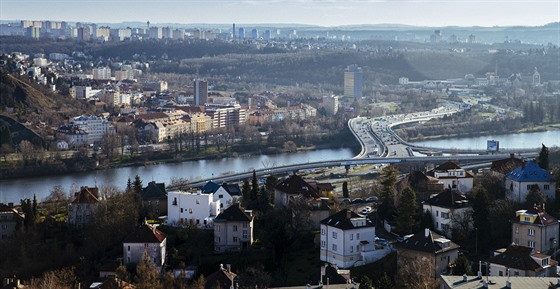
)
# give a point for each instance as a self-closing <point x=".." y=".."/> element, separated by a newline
<point x="234" y="239"/>
<point x="197" y="221"/>
<point x="527" y="219"/>
<point x="128" y="248"/>
<point x="221" y="196"/>
<point x="531" y="232"/>
<point x="221" y="205"/>
<point x="445" y="215"/>
<point x="351" y="236"/>
<point x="516" y="229"/>
<point x="437" y="213"/>
<point x="501" y="273"/>
<point x="445" y="227"/>
<point x="218" y="228"/>
<point x="358" y="236"/>
<point x="197" y="201"/>
<point x="546" y="187"/>
<point x="146" y="245"/>
<point x="323" y="244"/>
<point x="516" y="273"/>
<point x="181" y="210"/>
<point x="235" y="228"/>
<point x="351" y="249"/>
<point x="245" y="225"/>
<point x="544" y="262"/>
<point x="531" y="244"/>
<point x="334" y="247"/>
<point x="245" y="235"/>
<point x="190" y="211"/>
<point x="175" y="201"/>
<point x="334" y="235"/>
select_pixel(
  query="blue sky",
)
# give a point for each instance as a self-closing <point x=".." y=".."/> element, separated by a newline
<point x="316" y="12"/>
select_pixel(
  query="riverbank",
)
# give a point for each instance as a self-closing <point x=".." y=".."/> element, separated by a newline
<point x="541" y="128"/>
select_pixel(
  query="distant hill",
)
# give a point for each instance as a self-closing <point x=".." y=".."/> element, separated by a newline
<point x="25" y="101"/>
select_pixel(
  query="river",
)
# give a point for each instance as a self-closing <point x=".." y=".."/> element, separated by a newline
<point x="16" y="189"/>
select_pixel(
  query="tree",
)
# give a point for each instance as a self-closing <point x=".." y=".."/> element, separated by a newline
<point x="254" y="187"/>
<point x="137" y="184"/>
<point x="461" y="227"/>
<point x="407" y="211"/>
<point x="345" y="192"/>
<point x="388" y="180"/>
<point x="535" y="197"/>
<point x="417" y="273"/>
<point x="147" y="275"/>
<point x="57" y="200"/>
<point x="481" y="215"/>
<point x="542" y="160"/>
<point x="427" y="221"/>
<point x="384" y="282"/>
<point x="255" y="277"/>
<point x="27" y="209"/>
<point x="462" y="266"/>
<point x="245" y="193"/>
<point x="365" y="283"/>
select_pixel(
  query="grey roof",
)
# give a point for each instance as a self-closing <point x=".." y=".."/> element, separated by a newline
<point x="343" y="220"/>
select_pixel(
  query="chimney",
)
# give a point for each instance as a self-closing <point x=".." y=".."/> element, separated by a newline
<point x="348" y="214"/>
<point x="228" y="266"/>
<point x="221" y="266"/>
<point x="465" y="278"/>
<point x="508" y="284"/>
<point x="426" y="232"/>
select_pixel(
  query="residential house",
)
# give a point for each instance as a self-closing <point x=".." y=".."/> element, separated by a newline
<point x="506" y="165"/>
<point x="154" y="199"/>
<point x="191" y="208"/>
<point x="294" y="187"/>
<point x="420" y="183"/>
<point x="83" y="207"/>
<point x="453" y="177"/>
<point x="223" y="278"/>
<point x="536" y="229"/>
<point x="446" y="208"/>
<point x="522" y="179"/>
<point x="10" y="219"/>
<point x="233" y="229"/>
<point x="145" y="239"/>
<point x="522" y="261"/>
<point x="115" y="282"/>
<point x="430" y="246"/>
<point x="496" y="282"/>
<point x="348" y="240"/>
<point x="227" y="194"/>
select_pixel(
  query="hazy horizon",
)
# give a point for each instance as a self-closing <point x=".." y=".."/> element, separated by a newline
<point x="325" y="13"/>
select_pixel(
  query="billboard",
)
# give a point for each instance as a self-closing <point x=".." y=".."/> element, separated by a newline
<point x="492" y="145"/>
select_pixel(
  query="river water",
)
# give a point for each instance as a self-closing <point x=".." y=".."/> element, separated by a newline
<point x="16" y="189"/>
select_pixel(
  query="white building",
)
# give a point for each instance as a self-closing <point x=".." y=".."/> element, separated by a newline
<point x="145" y="239"/>
<point x="522" y="179"/>
<point x="102" y="73"/>
<point x="233" y="229"/>
<point x="227" y="194"/>
<point x="82" y="209"/>
<point x="445" y="208"/>
<point x="95" y="127"/>
<point x="196" y="208"/>
<point x="453" y="177"/>
<point x="330" y="103"/>
<point x="348" y="240"/>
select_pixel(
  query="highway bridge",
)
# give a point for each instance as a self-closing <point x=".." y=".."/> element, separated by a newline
<point x="354" y="162"/>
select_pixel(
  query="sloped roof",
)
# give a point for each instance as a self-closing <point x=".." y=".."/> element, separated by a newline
<point x="430" y="243"/>
<point x="448" y="199"/>
<point x="87" y="195"/>
<point x="210" y="188"/>
<point x="504" y="165"/>
<point x="233" y="214"/>
<point x="223" y="277"/>
<point x="145" y="234"/>
<point x="529" y="172"/>
<point x="517" y="257"/>
<point x="154" y="191"/>
<point x="543" y="218"/>
<point x="295" y="185"/>
<point x="343" y="220"/>
<point x="232" y="189"/>
<point x="116" y="283"/>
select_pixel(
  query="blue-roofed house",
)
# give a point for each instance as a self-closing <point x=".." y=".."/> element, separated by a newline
<point x="228" y="194"/>
<point x="522" y="179"/>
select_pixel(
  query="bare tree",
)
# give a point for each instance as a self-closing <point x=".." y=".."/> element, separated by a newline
<point x="417" y="273"/>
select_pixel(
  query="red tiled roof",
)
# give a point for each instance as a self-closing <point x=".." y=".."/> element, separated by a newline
<point x="87" y="196"/>
<point x="145" y="234"/>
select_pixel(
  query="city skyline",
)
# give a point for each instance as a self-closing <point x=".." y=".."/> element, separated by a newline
<point x="311" y="12"/>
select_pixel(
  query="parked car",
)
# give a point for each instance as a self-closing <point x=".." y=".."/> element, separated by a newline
<point x="372" y="199"/>
<point x="345" y="201"/>
<point x="357" y="201"/>
<point x="365" y="212"/>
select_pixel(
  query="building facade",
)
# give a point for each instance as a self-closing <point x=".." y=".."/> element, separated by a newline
<point x="191" y="208"/>
<point x="145" y="239"/>
<point x="233" y="229"/>
<point x="522" y="261"/>
<point x="345" y="239"/>
<point x="522" y="179"/>
<point x="446" y="208"/>
<point x="353" y="82"/>
<point x="536" y="229"/>
<point x="82" y="209"/>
